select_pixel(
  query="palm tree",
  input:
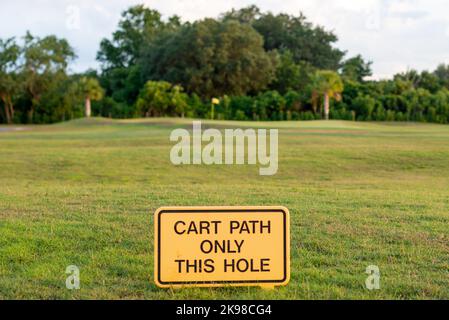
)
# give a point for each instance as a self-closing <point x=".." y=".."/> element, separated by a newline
<point x="328" y="84"/>
<point x="90" y="89"/>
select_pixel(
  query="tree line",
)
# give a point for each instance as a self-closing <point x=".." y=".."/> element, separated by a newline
<point x="243" y="65"/>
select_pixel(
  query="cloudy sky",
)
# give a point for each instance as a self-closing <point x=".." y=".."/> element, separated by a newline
<point x="395" y="34"/>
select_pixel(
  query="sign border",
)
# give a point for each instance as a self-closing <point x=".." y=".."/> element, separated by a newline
<point x="221" y="209"/>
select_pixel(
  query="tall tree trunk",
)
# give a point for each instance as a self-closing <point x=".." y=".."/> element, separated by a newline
<point x="88" y="109"/>
<point x="6" y="106"/>
<point x="11" y="110"/>
<point x="314" y="102"/>
<point x="8" y="116"/>
<point x="326" y="106"/>
<point x="34" y="102"/>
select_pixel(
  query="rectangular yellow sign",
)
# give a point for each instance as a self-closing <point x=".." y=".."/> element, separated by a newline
<point x="222" y="246"/>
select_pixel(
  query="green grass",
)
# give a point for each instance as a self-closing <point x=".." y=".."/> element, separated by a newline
<point x="84" y="193"/>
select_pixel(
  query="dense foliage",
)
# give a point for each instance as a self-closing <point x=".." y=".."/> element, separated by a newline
<point x="259" y="66"/>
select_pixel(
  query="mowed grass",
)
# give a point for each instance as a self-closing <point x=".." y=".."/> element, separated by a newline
<point x="359" y="194"/>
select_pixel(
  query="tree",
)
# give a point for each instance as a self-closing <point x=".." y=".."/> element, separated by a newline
<point x="89" y="89"/>
<point x="442" y="73"/>
<point x="429" y="81"/>
<point x="307" y="43"/>
<point x="291" y="75"/>
<point x="419" y="101"/>
<point x="159" y="98"/>
<point x="364" y="107"/>
<point x="137" y="27"/>
<point x="287" y="73"/>
<point x="271" y="105"/>
<point x="212" y="58"/>
<point x="244" y="108"/>
<point x="356" y="69"/>
<point x="410" y="76"/>
<point x="9" y="54"/>
<point x="45" y="60"/>
<point x="245" y="15"/>
<point x="441" y="103"/>
<point x="293" y="104"/>
<point x="121" y="56"/>
<point x="425" y="79"/>
<point x="178" y="101"/>
<point x="329" y="85"/>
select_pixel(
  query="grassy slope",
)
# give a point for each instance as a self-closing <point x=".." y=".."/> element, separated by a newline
<point x="359" y="193"/>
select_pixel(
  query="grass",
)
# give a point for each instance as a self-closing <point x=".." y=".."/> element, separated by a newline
<point x="359" y="194"/>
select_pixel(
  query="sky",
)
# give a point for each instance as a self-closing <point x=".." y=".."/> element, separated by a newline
<point x="396" y="35"/>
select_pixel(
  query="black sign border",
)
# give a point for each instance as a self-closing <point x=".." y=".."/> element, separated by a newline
<point x="205" y="210"/>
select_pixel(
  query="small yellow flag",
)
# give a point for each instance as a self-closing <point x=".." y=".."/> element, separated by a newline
<point x="215" y="101"/>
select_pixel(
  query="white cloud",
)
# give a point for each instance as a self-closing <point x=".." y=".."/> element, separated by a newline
<point x="395" y="34"/>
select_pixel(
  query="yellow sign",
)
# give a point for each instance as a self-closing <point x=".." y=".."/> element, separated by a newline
<point x="222" y="246"/>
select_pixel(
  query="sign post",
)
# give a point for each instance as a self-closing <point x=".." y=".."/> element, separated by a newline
<point x="221" y="246"/>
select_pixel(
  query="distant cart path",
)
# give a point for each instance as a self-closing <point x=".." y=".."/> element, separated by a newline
<point x="8" y="129"/>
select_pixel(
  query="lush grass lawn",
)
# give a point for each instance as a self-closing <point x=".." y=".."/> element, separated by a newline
<point x="359" y="194"/>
